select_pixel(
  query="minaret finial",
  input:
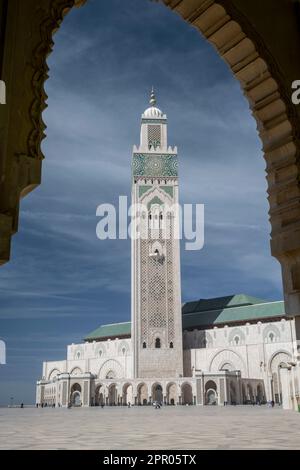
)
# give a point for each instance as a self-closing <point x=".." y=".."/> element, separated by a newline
<point x="152" y="98"/>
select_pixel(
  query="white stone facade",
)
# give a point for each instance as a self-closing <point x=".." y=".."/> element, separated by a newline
<point x="241" y="364"/>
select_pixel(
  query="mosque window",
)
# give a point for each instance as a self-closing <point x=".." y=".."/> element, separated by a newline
<point x="78" y="355"/>
<point x="157" y="343"/>
<point x="171" y="345"/>
<point x="237" y="340"/>
<point x="144" y="345"/>
<point x="100" y="353"/>
<point x="123" y="351"/>
<point x="271" y="337"/>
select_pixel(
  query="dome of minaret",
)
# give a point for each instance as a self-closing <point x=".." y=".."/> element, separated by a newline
<point x="153" y="111"/>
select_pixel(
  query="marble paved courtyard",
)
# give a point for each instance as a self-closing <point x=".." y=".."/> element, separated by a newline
<point x="240" y="427"/>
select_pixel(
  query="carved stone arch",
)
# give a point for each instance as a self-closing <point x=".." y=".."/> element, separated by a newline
<point x="156" y="195"/>
<point x="271" y="329"/>
<point x="227" y="356"/>
<point x="111" y="365"/>
<point x="227" y="365"/>
<point x="142" y="393"/>
<point x="154" y="336"/>
<point x="76" y="371"/>
<point x="53" y="373"/>
<point x="186" y="391"/>
<point x="100" y="350"/>
<point x="171" y="393"/>
<point x="277" y="358"/>
<point x="123" y="346"/>
<point x="78" y="353"/>
<point x="236" y="333"/>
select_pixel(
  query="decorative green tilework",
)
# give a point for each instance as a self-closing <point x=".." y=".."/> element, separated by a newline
<point x="143" y="190"/>
<point x="154" y="121"/>
<point x="155" y="200"/>
<point x="168" y="190"/>
<point x="154" y="165"/>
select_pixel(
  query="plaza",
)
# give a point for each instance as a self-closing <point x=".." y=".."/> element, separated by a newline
<point x="171" y="427"/>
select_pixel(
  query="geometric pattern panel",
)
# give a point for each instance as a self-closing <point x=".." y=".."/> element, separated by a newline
<point x="157" y="292"/>
<point x="227" y="356"/>
<point x="154" y="165"/>
<point x="154" y="136"/>
<point x="111" y="366"/>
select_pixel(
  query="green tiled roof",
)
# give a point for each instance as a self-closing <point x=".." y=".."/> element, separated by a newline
<point x="220" y="303"/>
<point x="206" y="313"/>
<point x="233" y="314"/>
<point x="109" y="331"/>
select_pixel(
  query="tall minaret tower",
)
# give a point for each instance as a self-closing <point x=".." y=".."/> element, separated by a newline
<point x="155" y="258"/>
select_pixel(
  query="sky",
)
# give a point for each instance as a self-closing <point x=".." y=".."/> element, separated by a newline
<point x="62" y="282"/>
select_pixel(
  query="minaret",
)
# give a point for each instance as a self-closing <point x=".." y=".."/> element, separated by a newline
<point x="155" y="258"/>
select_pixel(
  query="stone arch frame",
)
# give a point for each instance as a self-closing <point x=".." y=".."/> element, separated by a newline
<point x="236" y="332"/>
<point x="271" y="329"/>
<point x="239" y="42"/>
<point x="100" y="347"/>
<point x="55" y="369"/>
<point x="227" y="355"/>
<point x="76" y="389"/>
<point x="142" y="398"/>
<point x="78" y="350"/>
<point x="171" y="393"/>
<point x="153" y="386"/>
<point x="211" y="389"/>
<point x="277" y="358"/>
<point x="125" y="398"/>
<point x="186" y="391"/>
<point x="154" y="336"/>
<point x="76" y="368"/>
<point x="112" y="394"/>
<point x="277" y="354"/>
<point x="100" y="394"/>
<point x="111" y="365"/>
<point x="123" y="344"/>
<point x="224" y="363"/>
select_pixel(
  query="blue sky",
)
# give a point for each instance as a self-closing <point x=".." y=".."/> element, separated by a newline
<point x="62" y="282"/>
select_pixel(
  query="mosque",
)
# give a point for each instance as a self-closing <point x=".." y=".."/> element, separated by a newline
<point x="236" y="349"/>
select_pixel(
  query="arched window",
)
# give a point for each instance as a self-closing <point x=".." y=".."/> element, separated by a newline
<point x="100" y="353"/>
<point x="171" y="345"/>
<point x="144" y="345"/>
<point x="237" y="340"/>
<point x="123" y="351"/>
<point x="78" y="355"/>
<point x="271" y="337"/>
<point x="157" y="343"/>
